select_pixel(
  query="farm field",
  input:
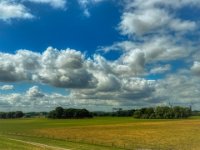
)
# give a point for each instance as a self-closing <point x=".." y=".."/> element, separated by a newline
<point x="101" y="133"/>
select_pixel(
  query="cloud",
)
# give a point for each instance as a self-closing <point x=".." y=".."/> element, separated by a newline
<point x="152" y="49"/>
<point x="196" y="68"/>
<point x="65" y="68"/>
<point x="94" y="80"/>
<point x="34" y="92"/>
<point x="156" y="37"/>
<point x="18" y="67"/>
<point x="11" y="10"/>
<point x="135" y="60"/>
<point x="7" y="87"/>
<point x="33" y="100"/>
<point x="142" y="21"/>
<point x="183" y="88"/>
<point x="107" y="82"/>
<point x="85" y="4"/>
<point x="160" y="69"/>
<point x="54" y="3"/>
<point x="180" y="25"/>
<point x="143" y="17"/>
<point x="36" y="100"/>
<point x="154" y="29"/>
<point x="160" y="48"/>
<point x="131" y="91"/>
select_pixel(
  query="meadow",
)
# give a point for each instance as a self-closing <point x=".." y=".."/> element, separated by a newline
<point x="101" y="133"/>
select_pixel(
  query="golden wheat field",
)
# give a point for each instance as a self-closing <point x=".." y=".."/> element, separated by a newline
<point x="110" y="132"/>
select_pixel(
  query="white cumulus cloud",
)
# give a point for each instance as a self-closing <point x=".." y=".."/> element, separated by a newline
<point x="141" y="17"/>
<point x="13" y="10"/>
<point x="7" y="87"/>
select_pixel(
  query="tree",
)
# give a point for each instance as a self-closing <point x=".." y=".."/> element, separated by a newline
<point x="11" y="115"/>
<point x="2" y="115"/>
<point x="59" y="112"/>
<point x="82" y="113"/>
<point x="163" y="112"/>
<point x="18" y="114"/>
<point x="149" y="113"/>
<point x="52" y="114"/>
<point x="69" y="113"/>
<point x="137" y="114"/>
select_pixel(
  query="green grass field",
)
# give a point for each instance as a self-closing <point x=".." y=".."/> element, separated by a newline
<point x="104" y="133"/>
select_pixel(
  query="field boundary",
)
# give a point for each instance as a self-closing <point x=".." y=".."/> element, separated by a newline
<point x="39" y="144"/>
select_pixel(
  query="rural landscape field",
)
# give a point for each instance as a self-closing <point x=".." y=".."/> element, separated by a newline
<point x="99" y="75"/>
<point x="101" y="133"/>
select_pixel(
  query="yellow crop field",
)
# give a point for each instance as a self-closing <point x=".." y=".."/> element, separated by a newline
<point x="110" y="133"/>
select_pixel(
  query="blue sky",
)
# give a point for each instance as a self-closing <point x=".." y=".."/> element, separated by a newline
<point x="63" y="28"/>
<point x="98" y="54"/>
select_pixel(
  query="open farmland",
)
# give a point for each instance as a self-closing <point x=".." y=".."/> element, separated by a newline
<point x="104" y="133"/>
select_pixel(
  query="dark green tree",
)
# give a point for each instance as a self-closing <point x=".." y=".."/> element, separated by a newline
<point x="59" y="112"/>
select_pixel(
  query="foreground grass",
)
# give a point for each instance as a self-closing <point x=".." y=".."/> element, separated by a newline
<point x="9" y="144"/>
<point x="107" y="133"/>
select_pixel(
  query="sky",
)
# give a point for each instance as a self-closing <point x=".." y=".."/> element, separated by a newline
<point x="99" y="54"/>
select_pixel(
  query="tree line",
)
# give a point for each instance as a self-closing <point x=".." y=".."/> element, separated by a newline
<point x="11" y="115"/>
<point x="163" y="112"/>
<point x="118" y="113"/>
<point x="35" y="114"/>
<point x="70" y="113"/>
